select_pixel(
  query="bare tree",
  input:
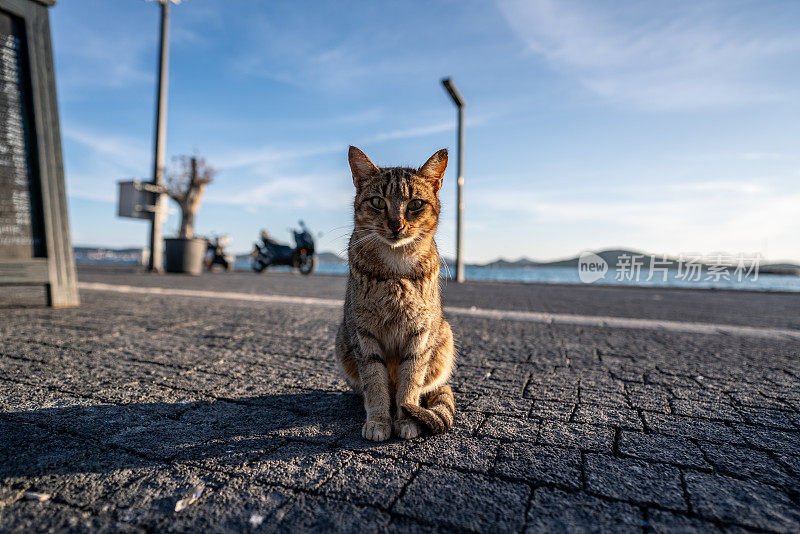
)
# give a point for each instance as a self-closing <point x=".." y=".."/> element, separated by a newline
<point x="186" y="187"/>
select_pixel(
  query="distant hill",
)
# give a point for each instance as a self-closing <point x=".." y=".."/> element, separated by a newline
<point x="780" y="268"/>
<point x="612" y="257"/>
<point x="503" y="263"/>
<point x="330" y="258"/>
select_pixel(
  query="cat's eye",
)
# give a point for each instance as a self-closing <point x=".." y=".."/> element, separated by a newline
<point x="378" y="203"/>
<point x="415" y="205"/>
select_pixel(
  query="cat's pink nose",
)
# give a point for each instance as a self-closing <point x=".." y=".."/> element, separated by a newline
<point x="395" y="226"/>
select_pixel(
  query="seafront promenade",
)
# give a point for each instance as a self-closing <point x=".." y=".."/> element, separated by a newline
<point x="578" y="408"/>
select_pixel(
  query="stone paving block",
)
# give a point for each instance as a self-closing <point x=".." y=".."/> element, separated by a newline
<point x="407" y="525"/>
<point x="608" y="415"/>
<point x="86" y="481"/>
<point x="628" y="373"/>
<point x="196" y="428"/>
<point x="166" y="348"/>
<point x="539" y="465"/>
<point x="746" y="503"/>
<point x="706" y="410"/>
<point x="369" y="480"/>
<point x="297" y="465"/>
<point x="86" y="376"/>
<point x="505" y="371"/>
<point x="662" y="522"/>
<point x="577" y="435"/>
<point x="657" y="448"/>
<point x="321" y="428"/>
<point x="773" y="440"/>
<point x="749" y="463"/>
<point x="635" y="481"/>
<point x="778" y="419"/>
<point x="669" y="380"/>
<point x="452" y="450"/>
<point x="602" y="397"/>
<point x="27" y="350"/>
<point x="509" y="428"/>
<point x="554" y="410"/>
<point x="790" y="462"/>
<point x="237" y="505"/>
<point x="309" y="513"/>
<point x="466" y="423"/>
<point x="701" y="394"/>
<point x="393" y="447"/>
<point x="18" y="399"/>
<point x="649" y="397"/>
<point x="99" y="420"/>
<point x="501" y="405"/>
<point x="551" y="392"/>
<point x="553" y="510"/>
<point x="756" y="399"/>
<point x="27" y="451"/>
<point x="464" y="501"/>
<point x="33" y="516"/>
<point x="673" y="425"/>
<point x="142" y="392"/>
<point x="143" y="496"/>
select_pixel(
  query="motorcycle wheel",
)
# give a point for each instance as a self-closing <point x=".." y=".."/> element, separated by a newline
<point x="258" y="266"/>
<point x="308" y="265"/>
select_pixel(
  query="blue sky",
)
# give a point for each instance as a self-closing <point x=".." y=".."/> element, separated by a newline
<point x="671" y="127"/>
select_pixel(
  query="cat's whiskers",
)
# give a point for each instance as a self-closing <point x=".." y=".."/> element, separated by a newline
<point x="363" y="239"/>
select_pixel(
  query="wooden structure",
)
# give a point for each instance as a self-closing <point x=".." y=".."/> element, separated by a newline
<point x="35" y="246"/>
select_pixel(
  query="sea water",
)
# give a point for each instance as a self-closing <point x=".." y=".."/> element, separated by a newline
<point x="569" y="275"/>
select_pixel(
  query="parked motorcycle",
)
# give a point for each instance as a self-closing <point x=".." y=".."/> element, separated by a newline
<point x="267" y="252"/>
<point x="215" y="253"/>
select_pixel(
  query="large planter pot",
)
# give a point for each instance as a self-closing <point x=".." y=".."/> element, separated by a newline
<point x="185" y="255"/>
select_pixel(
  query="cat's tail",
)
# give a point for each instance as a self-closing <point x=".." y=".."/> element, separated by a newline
<point x="438" y="417"/>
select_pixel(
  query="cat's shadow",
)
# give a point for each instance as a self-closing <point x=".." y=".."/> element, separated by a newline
<point x="107" y="438"/>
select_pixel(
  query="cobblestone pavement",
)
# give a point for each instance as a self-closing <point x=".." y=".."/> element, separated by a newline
<point x="118" y="409"/>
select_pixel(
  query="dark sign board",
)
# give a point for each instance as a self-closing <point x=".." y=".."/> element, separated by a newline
<point x="34" y="230"/>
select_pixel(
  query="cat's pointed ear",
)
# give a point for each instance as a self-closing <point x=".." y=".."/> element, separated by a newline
<point x="361" y="166"/>
<point x="434" y="168"/>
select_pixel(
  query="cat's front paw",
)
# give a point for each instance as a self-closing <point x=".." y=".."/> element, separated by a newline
<point x="406" y="428"/>
<point x="377" y="430"/>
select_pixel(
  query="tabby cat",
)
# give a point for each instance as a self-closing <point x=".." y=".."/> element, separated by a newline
<point x="394" y="345"/>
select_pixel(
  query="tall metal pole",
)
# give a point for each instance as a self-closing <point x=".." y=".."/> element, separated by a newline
<point x="458" y="100"/>
<point x="460" y="198"/>
<point x="156" y="262"/>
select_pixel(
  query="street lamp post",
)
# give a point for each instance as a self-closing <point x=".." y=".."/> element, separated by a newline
<point x="156" y="261"/>
<point x="458" y="100"/>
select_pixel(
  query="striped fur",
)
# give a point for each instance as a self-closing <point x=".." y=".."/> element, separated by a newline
<point x="439" y="414"/>
<point x="394" y="345"/>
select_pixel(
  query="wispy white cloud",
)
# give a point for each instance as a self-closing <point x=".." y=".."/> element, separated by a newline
<point x="671" y="218"/>
<point x="428" y="129"/>
<point x="721" y="186"/>
<point x="100" y="60"/>
<point x="329" y="191"/>
<point x="272" y="154"/>
<point x="105" y="159"/>
<point x="268" y="155"/>
<point x="662" y="55"/>
<point x="125" y="151"/>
